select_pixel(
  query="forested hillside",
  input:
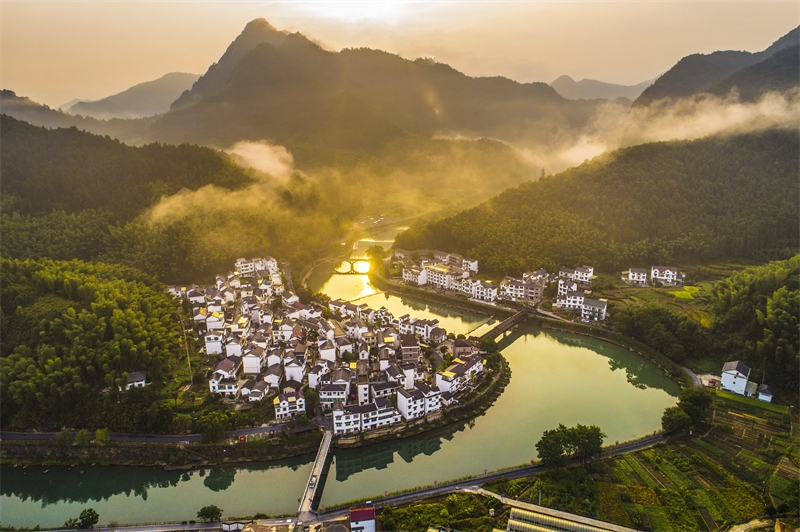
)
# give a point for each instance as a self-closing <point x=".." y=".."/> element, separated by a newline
<point x="698" y="73"/>
<point x="780" y="72"/>
<point x="72" y="332"/>
<point x="70" y="170"/>
<point x="655" y="203"/>
<point x="754" y="319"/>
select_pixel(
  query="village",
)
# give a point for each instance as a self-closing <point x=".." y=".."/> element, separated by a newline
<point x="367" y="368"/>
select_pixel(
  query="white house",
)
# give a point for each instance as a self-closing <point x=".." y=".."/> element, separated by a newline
<point x="765" y="392"/>
<point x="357" y="418"/>
<point x="571" y="300"/>
<point x="294" y="369"/>
<point x="593" y="309"/>
<point x="484" y="291"/>
<point x="565" y="285"/>
<point x="666" y="275"/>
<point x="136" y="379"/>
<point x="581" y="274"/>
<point x="258" y="391"/>
<point x="330" y="393"/>
<point x="253" y="360"/>
<point x="411" y="403"/>
<point x="213" y="341"/>
<point x="637" y="276"/>
<point x="362" y="519"/>
<point x="415" y="275"/>
<point x="288" y="405"/>
<point x="734" y="377"/>
<point x="274" y="375"/>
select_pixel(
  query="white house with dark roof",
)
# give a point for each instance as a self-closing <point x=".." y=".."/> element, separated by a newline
<point x="330" y="393"/>
<point x="136" y="379"/>
<point x="666" y="275"/>
<point x="735" y="375"/>
<point x="566" y="285"/>
<point x="593" y="309"/>
<point x="637" y="276"/>
<point x="571" y="300"/>
<point x="765" y="392"/>
<point x="289" y="405"/>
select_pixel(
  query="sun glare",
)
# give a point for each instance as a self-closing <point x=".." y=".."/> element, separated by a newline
<point x="361" y="11"/>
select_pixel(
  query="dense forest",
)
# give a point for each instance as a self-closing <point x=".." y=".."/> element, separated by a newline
<point x="72" y="332"/>
<point x="754" y="319"/>
<point x="727" y="196"/>
<point x="69" y="170"/>
<point x="185" y="213"/>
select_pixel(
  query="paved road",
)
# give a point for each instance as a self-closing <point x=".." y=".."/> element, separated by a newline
<point x="305" y="513"/>
<point x="120" y="437"/>
<point x="145" y="438"/>
<point x="695" y="379"/>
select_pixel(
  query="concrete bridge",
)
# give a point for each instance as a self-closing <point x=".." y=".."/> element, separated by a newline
<point x="507" y="324"/>
<point x="305" y="513"/>
<point x="352" y="270"/>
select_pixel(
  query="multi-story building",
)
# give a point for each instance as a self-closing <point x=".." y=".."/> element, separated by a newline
<point x="637" y="276"/>
<point x="666" y="275"/>
<point x="352" y="419"/>
<point x="289" y="405"/>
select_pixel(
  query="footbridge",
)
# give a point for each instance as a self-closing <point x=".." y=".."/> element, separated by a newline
<point x="507" y="324"/>
<point x="305" y="513"/>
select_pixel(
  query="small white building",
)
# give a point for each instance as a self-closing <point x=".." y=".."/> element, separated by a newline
<point x="765" y="392"/>
<point x="593" y="309"/>
<point x="213" y="341"/>
<point x="734" y="377"/>
<point x="136" y="379"/>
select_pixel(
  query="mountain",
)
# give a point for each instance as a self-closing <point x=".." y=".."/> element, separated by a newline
<point x="70" y="103"/>
<point x="256" y="32"/>
<point x="286" y="88"/>
<point x="25" y="109"/>
<point x="779" y="72"/>
<point x="588" y="89"/>
<point x="731" y="197"/>
<point x="71" y="170"/>
<point x="145" y="99"/>
<point x="699" y="72"/>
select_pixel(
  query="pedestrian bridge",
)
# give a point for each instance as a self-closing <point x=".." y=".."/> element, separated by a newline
<point x="305" y="513"/>
<point x="507" y="324"/>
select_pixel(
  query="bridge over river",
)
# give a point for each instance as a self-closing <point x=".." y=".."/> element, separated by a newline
<point x="508" y="324"/>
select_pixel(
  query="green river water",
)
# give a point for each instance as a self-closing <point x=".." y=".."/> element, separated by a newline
<point x="556" y="378"/>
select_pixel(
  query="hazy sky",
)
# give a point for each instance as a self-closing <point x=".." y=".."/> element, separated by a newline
<point x="54" y="51"/>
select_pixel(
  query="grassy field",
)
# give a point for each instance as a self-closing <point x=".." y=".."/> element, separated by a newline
<point x="745" y="462"/>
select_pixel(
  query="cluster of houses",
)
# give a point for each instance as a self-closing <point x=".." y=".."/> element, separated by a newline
<point x="666" y="275"/>
<point x="366" y="366"/>
<point x="573" y="285"/>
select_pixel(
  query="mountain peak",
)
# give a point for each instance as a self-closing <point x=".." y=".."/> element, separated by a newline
<point x="563" y="80"/>
<point x="255" y="33"/>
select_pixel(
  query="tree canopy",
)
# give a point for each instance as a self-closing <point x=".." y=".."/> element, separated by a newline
<point x="73" y="331"/>
<point x="556" y="446"/>
<point x="731" y="196"/>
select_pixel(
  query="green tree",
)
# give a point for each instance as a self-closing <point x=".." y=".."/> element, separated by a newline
<point x="64" y="438"/>
<point x="102" y="437"/>
<point x="82" y="437"/>
<point x="553" y="446"/>
<point x="586" y="441"/>
<point x="675" y="420"/>
<point x="88" y="518"/>
<point x="312" y="398"/>
<point x="213" y="426"/>
<point x="210" y="513"/>
<point x="695" y="401"/>
<point x="182" y="423"/>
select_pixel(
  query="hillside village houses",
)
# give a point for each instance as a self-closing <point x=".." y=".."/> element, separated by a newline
<point x="367" y="366"/>
<point x="456" y="273"/>
<point x="573" y="284"/>
<point x="666" y="275"/>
